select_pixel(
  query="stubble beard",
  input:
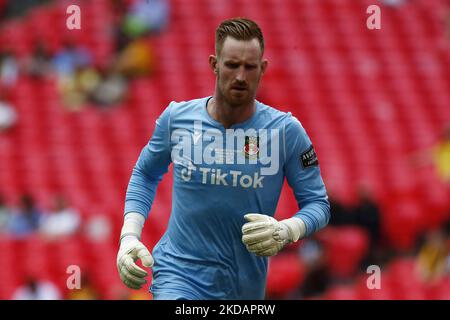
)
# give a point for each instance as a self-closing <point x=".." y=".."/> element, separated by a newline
<point x="233" y="101"/>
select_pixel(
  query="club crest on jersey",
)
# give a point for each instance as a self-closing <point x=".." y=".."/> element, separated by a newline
<point x="251" y="147"/>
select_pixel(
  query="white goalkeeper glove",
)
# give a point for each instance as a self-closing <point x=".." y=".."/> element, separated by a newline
<point x="131" y="249"/>
<point x="265" y="236"/>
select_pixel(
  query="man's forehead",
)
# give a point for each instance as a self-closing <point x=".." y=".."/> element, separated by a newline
<point x="234" y="49"/>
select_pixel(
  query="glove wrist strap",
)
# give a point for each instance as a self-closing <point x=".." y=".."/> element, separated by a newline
<point x="296" y="227"/>
<point x="132" y="226"/>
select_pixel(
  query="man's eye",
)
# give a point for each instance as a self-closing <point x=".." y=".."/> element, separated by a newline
<point x="232" y="65"/>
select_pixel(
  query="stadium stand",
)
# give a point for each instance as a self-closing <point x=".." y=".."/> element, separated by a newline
<point x="368" y="99"/>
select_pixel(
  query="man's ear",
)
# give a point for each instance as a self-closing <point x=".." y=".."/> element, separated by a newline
<point x="264" y="64"/>
<point x="213" y="63"/>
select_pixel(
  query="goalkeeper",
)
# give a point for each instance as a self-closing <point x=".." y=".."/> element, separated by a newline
<point x="221" y="229"/>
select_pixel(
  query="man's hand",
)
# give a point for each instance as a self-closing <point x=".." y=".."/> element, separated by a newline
<point x="265" y="236"/>
<point x="130" y="273"/>
<point x="131" y="249"/>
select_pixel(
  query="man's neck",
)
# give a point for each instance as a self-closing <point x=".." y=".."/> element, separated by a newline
<point x="227" y="115"/>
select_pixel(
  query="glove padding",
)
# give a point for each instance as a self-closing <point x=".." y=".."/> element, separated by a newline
<point x="264" y="235"/>
<point x="130" y="273"/>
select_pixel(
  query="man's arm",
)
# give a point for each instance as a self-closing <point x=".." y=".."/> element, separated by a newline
<point x="150" y="167"/>
<point x="303" y="176"/>
<point x="152" y="164"/>
<point x="264" y="235"/>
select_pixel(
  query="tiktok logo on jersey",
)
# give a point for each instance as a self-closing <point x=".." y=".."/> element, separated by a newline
<point x="257" y="151"/>
<point x="232" y="178"/>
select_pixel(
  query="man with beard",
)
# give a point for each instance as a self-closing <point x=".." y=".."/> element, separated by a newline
<point x="231" y="154"/>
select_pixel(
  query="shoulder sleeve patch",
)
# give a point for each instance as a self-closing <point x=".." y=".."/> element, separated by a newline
<point x="309" y="158"/>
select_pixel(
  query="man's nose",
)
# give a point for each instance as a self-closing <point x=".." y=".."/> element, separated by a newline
<point x="241" y="75"/>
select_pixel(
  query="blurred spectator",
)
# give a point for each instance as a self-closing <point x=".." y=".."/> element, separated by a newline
<point x="139" y="295"/>
<point x="368" y="217"/>
<point x="146" y="16"/>
<point x="341" y="214"/>
<point x="433" y="256"/>
<point x="366" y="214"/>
<point x="2" y="9"/>
<point x="9" y="69"/>
<point x="77" y="90"/>
<point x="70" y="59"/>
<point x="394" y="3"/>
<point x="26" y="219"/>
<point x="63" y="221"/>
<point x="86" y="292"/>
<point x="137" y="59"/>
<point x="35" y="289"/>
<point x="98" y="228"/>
<point x="441" y="156"/>
<point x="317" y="277"/>
<point x="438" y="155"/>
<point x="39" y="64"/>
<point x="8" y="115"/>
<point x="19" y="8"/>
<point x="75" y="75"/>
<point x="111" y="89"/>
<point x="4" y="215"/>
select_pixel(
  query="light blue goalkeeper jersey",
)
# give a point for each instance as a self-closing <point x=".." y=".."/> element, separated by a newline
<point x="219" y="176"/>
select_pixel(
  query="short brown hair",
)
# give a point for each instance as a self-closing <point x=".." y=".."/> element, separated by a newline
<point x="239" y="29"/>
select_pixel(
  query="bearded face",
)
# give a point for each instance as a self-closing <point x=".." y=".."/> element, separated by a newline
<point x="239" y="68"/>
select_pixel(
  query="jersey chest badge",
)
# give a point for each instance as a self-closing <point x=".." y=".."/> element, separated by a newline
<point x="251" y="147"/>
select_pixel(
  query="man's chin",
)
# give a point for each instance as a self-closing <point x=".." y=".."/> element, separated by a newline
<point x="238" y="98"/>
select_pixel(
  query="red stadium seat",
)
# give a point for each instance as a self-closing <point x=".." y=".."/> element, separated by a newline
<point x="403" y="221"/>
<point x="286" y="273"/>
<point x="345" y="247"/>
<point x="341" y="292"/>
